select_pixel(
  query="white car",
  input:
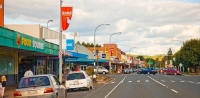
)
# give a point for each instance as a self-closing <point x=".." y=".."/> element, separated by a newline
<point x="77" y="80"/>
<point x="40" y="86"/>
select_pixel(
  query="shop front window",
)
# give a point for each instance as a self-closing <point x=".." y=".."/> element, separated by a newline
<point x="40" y="67"/>
<point x="7" y="63"/>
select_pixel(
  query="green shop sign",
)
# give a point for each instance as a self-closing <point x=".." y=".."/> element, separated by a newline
<point x="29" y="43"/>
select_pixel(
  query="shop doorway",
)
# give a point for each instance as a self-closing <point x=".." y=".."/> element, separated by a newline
<point x="24" y="64"/>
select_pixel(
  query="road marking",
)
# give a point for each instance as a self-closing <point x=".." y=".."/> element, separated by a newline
<point x="174" y="90"/>
<point x="115" y="87"/>
<point x="147" y="80"/>
<point x="182" y="81"/>
<point x="190" y="81"/>
<point x="157" y="81"/>
<point x="198" y="83"/>
<point x="138" y="80"/>
<point x="172" y="81"/>
<point x="129" y="81"/>
<point x="163" y="80"/>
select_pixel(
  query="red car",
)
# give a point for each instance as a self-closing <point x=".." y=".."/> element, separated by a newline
<point x="172" y="71"/>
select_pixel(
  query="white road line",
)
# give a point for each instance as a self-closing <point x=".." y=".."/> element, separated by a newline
<point x="172" y="81"/>
<point x="163" y="80"/>
<point x="174" y="90"/>
<point x="115" y="87"/>
<point x="147" y="80"/>
<point x="190" y="81"/>
<point x="138" y="80"/>
<point x="198" y="83"/>
<point x="182" y="81"/>
<point x="157" y="81"/>
<point x="129" y="81"/>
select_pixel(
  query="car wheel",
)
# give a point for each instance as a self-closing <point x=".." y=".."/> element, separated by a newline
<point x="91" y="87"/>
<point x="57" y="96"/>
<point x="104" y="73"/>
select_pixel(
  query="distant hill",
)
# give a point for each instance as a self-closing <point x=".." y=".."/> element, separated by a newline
<point x="159" y="56"/>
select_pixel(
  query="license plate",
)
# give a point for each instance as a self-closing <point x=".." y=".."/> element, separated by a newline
<point x="76" y="82"/>
<point x="32" y="92"/>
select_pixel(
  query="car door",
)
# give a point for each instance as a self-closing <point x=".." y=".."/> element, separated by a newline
<point x="58" y="86"/>
<point x="88" y="79"/>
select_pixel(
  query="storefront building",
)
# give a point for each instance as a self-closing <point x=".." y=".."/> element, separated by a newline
<point x="19" y="51"/>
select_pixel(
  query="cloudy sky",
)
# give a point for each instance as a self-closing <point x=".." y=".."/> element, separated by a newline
<point x="148" y="25"/>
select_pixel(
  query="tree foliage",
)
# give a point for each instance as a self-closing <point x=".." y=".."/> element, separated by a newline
<point x="141" y="58"/>
<point x="189" y="54"/>
<point x="150" y="60"/>
<point x="88" y="44"/>
<point x="78" y="43"/>
<point x="83" y="43"/>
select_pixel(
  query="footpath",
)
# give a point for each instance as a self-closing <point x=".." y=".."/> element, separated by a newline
<point x="9" y="91"/>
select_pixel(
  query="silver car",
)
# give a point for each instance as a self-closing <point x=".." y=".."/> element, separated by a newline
<point x="40" y="86"/>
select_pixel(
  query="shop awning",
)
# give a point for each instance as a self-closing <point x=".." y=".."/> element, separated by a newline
<point x="85" y="60"/>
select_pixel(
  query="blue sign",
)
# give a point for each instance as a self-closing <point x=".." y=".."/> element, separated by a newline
<point x="103" y="56"/>
<point x="70" y="44"/>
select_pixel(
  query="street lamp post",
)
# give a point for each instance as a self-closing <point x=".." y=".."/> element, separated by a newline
<point x="112" y="35"/>
<point x="48" y="23"/>
<point x="178" y="40"/>
<point x="109" y="48"/>
<point x="94" y="41"/>
<point x="130" y="53"/>
<point x="60" y="44"/>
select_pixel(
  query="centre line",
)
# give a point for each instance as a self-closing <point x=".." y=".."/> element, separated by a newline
<point x="174" y="90"/>
<point x="114" y="87"/>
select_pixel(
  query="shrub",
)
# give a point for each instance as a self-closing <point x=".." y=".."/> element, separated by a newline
<point x="90" y="71"/>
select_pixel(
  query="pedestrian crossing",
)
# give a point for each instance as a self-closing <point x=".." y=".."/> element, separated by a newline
<point x="162" y="81"/>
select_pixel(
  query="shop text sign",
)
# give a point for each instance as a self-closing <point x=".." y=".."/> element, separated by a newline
<point x="30" y="43"/>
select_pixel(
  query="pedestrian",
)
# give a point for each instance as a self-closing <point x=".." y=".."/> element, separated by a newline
<point x="0" y="89"/>
<point x="28" y="73"/>
<point x="3" y="81"/>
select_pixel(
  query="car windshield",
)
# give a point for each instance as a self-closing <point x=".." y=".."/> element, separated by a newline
<point x="74" y="76"/>
<point x="33" y="82"/>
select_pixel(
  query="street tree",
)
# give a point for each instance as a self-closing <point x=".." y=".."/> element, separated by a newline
<point x="140" y="57"/>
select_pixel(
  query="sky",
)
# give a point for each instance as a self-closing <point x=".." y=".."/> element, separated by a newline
<point x="150" y="26"/>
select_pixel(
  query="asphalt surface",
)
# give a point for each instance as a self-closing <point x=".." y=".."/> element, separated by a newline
<point x="144" y="86"/>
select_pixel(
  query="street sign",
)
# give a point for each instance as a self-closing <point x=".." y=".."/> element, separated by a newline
<point x="103" y="55"/>
<point x="180" y="64"/>
<point x="150" y="62"/>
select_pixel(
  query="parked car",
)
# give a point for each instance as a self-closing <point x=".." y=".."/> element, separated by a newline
<point x="148" y="71"/>
<point x="172" y="71"/>
<point x="78" y="80"/>
<point x="126" y="71"/>
<point x="100" y="70"/>
<point x="42" y="86"/>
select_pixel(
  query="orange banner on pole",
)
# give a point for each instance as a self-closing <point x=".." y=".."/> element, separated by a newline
<point x="66" y="17"/>
<point x="1" y="13"/>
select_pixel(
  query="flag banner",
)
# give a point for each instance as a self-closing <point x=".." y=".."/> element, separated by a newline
<point x="66" y="17"/>
<point x="1" y="13"/>
<point x="111" y="51"/>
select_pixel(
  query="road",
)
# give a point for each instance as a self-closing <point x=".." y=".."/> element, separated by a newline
<point x="144" y="86"/>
